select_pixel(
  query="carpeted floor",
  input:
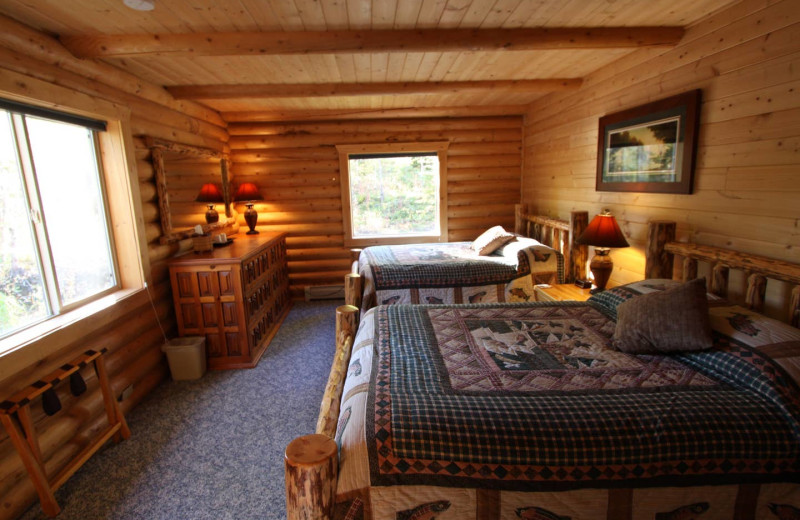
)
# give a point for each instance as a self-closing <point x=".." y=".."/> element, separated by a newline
<point x="212" y="448"/>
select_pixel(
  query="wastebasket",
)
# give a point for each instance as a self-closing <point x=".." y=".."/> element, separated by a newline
<point x="186" y="357"/>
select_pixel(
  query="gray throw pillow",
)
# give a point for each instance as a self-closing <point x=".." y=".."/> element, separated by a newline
<point x="674" y="320"/>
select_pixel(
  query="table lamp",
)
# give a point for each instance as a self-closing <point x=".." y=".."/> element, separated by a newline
<point x="211" y="195"/>
<point x="247" y="192"/>
<point x="603" y="232"/>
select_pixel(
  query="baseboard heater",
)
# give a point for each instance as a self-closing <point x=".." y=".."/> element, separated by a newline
<point x="324" y="292"/>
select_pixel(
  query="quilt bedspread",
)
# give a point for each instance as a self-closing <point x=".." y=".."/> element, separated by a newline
<point x="453" y="273"/>
<point x="530" y="397"/>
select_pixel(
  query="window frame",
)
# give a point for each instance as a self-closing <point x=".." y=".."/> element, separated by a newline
<point x="345" y="151"/>
<point x="39" y="229"/>
<point x="124" y="209"/>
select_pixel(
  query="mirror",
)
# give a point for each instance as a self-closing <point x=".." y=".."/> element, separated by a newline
<point x="180" y="171"/>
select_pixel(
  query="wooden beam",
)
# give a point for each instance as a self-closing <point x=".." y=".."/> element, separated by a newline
<point x="368" y="113"/>
<point x="329" y="42"/>
<point x="281" y="90"/>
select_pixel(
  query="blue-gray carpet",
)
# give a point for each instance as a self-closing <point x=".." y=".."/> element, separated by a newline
<point x="212" y="448"/>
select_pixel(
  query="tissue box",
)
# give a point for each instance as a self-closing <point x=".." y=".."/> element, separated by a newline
<point x="202" y="243"/>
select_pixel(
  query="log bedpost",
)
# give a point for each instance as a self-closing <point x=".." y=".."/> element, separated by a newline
<point x="354" y="256"/>
<point x="520" y="210"/>
<point x="352" y="290"/>
<point x="658" y="263"/>
<point x="311" y="467"/>
<point x="578" y="254"/>
<point x="794" y="309"/>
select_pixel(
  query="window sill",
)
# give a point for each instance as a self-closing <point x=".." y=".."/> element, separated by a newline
<point x="35" y="343"/>
<point x="390" y="241"/>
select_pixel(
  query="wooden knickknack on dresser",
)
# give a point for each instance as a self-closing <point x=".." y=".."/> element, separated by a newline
<point x="235" y="296"/>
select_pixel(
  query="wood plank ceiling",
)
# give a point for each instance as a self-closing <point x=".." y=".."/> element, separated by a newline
<point x="441" y="56"/>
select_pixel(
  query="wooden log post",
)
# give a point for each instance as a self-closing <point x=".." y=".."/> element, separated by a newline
<point x="352" y="290"/>
<point x="756" y="290"/>
<point x="311" y="468"/>
<point x="794" y="308"/>
<point x="355" y="254"/>
<point x="520" y="210"/>
<point x="658" y="262"/>
<point x="346" y="323"/>
<point x="719" y="280"/>
<point x="689" y="269"/>
<point x="577" y="254"/>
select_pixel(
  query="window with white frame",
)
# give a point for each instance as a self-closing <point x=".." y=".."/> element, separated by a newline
<point x="394" y="193"/>
<point x="56" y="249"/>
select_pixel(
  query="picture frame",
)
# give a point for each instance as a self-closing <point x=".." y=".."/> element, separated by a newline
<point x="650" y="148"/>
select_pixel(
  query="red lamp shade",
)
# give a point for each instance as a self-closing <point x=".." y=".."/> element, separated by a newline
<point x="210" y="194"/>
<point x="602" y="232"/>
<point x="248" y="191"/>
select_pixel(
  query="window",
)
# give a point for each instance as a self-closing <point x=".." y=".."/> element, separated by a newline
<point x="394" y="193"/>
<point x="56" y="251"/>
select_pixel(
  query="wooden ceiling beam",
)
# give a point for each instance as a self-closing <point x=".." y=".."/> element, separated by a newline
<point x="288" y="114"/>
<point x="328" y="42"/>
<point x="290" y="90"/>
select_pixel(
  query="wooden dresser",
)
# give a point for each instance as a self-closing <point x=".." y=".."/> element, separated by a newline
<point x="236" y="296"/>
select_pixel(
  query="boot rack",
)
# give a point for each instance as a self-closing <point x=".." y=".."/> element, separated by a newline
<point x="15" y="414"/>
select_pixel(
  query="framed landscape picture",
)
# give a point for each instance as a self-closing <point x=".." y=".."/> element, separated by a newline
<point x="650" y="148"/>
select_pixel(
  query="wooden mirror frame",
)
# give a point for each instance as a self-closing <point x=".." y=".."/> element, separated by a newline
<point x="157" y="148"/>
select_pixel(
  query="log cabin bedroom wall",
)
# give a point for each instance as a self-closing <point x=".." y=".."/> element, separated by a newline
<point x="746" y="180"/>
<point x="745" y="58"/>
<point x="300" y="165"/>
<point x="37" y="66"/>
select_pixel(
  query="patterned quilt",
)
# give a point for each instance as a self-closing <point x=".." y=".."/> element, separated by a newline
<point x="454" y="273"/>
<point x="475" y="406"/>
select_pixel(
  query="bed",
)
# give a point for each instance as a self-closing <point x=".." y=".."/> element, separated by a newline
<point x="544" y="252"/>
<point x="524" y="411"/>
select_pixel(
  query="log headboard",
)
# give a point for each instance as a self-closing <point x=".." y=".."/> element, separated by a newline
<point x="561" y="235"/>
<point x="662" y="249"/>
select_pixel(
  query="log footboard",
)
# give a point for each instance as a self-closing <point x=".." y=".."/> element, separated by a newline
<point x="311" y="462"/>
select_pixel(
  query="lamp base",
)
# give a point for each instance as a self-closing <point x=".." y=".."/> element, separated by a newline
<point x="601" y="267"/>
<point x="251" y="217"/>
<point x="211" y="215"/>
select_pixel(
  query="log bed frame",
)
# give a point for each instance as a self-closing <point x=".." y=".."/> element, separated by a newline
<point x="310" y="461"/>
<point x="561" y="235"/>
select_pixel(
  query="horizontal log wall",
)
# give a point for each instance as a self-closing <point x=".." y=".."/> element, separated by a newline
<point x="746" y="60"/>
<point x="129" y="331"/>
<point x="296" y="165"/>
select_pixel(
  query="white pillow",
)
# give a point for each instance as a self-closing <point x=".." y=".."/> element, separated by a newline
<point x="492" y="239"/>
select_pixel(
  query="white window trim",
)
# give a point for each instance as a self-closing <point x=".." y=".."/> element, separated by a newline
<point x="125" y="212"/>
<point x="346" y="150"/>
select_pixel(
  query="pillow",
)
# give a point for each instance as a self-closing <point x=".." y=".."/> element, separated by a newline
<point x="514" y="246"/>
<point x="672" y="320"/>
<point x="492" y="239"/>
<point x="611" y="298"/>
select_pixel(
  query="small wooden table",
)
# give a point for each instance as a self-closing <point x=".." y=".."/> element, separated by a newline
<point x="560" y="292"/>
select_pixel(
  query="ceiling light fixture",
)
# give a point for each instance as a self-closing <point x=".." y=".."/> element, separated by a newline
<point x="140" y="5"/>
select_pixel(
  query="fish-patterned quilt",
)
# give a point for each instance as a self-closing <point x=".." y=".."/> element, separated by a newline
<point x="524" y="411"/>
<point x="453" y="272"/>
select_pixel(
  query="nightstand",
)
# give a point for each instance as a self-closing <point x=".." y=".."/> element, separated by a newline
<point x="560" y="292"/>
